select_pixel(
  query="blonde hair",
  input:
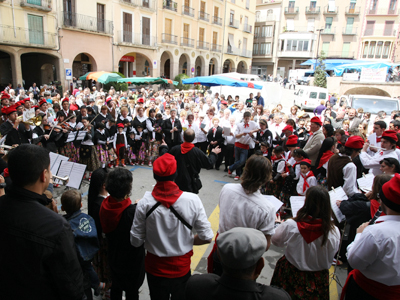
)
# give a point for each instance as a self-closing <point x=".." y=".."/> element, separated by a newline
<point x="322" y="102"/>
<point x="183" y="113"/>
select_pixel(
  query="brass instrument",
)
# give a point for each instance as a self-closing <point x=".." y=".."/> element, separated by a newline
<point x="37" y="121"/>
<point x="64" y="180"/>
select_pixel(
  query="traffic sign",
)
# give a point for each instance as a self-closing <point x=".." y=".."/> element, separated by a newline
<point x="68" y="74"/>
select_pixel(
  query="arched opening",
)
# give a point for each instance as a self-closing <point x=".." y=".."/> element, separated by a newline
<point x="6" y="70"/>
<point x="165" y="64"/>
<point x="228" y="66"/>
<point x="147" y="68"/>
<point x="183" y="64"/>
<point x="367" y="91"/>
<point x="211" y="67"/>
<point x="199" y="65"/>
<point x="82" y="64"/>
<point x="47" y="64"/>
<point x="242" y="67"/>
<point x="134" y="64"/>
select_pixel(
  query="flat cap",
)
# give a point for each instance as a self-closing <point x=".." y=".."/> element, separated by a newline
<point x="241" y="248"/>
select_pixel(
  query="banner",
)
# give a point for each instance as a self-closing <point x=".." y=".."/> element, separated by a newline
<point x="350" y="76"/>
<point x="373" y="75"/>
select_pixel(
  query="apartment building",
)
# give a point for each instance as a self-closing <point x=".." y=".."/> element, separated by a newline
<point x="29" y="42"/>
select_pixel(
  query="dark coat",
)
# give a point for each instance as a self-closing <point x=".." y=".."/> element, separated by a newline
<point x="167" y="127"/>
<point x="14" y="136"/>
<point x="218" y="137"/>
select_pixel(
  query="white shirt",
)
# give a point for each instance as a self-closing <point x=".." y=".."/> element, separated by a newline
<point x="398" y="153"/>
<point x="373" y="162"/>
<point x="276" y="129"/>
<point x="312" y="181"/>
<point x="230" y="139"/>
<point x="349" y="177"/>
<point x="162" y="233"/>
<point x="306" y="257"/>
<point x="239" y="115"/>
<point x="375" y="252"/>
<point x="246" y="139"/>
<point x="238" y="209"/>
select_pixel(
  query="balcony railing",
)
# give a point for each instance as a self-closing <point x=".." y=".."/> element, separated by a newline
<point x="188" y="11"/>
<point x="328" y="31"/>
<point x="263" y="18"/>
<point x="327" y="11"/>
<point x="169" y="39"/>
<point x="229" y="50"/>
<point x="204" y="16"/>
<point x="216" y="48"/>
<point x="246" y="53"/>
<point x="87" y="23"/>
<point x="352" y="11"/>
<point x="186" y="42"/>
<point x="216" y="20"/>
<point x="233" y="23"/>
<point x="381" y="32"/>
<point x="349" y="31"/>
<point x="268" y="2"/>
<point x="310" y="10"/>
<point x="171" y="5"/>
<point x="203" y="45"/>
<point x="137" y="39"/>
<point x="247" y="28"/>
<point x="383" y="12"/>
<point x="27" y="37"/>
<point x="291" y="10"/>
<point x="149" y="4"/>
<point x="337" y="54"/>
<point x="43" y="5"/>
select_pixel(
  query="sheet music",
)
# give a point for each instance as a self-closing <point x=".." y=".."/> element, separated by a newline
<point x="275" y="202"/>
<point x="54" y="168"/>
<point x="227" y="131"/>
<point x="296" y="202"/>
<point x="64" y="170"/>
<point x="53" y="157"/>
<point x="203" y="125"/>
<point x="81" y="135"/>
<point x="337" y="194"/>
<point x="71" y="137"/>
<point x="372" y="139"/>
<point x="366" y="182"/>
<point x="76" y="175"/>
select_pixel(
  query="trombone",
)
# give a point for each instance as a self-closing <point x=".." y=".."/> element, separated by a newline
<point x="37" y="121"/>
<point x="64" y="180"/>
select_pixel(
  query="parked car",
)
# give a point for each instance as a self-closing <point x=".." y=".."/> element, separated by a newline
<point x="309" y="97"/>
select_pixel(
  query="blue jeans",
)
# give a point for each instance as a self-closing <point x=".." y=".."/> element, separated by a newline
<point x="240" y="160"/>
<point x="88" y="269"/>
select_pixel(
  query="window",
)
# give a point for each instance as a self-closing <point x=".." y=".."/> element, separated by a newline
<point x="294" y="45"/>
<point x="291" y="7"/>
<point x="371" y="50"/>
<point x="145" y="31"/>
<point x="289" y="24"/>
<point x="268" y="48"/>
<point x="310" y="25"/>
<point x="35" y="26"/>
<point x="386" y="50"/>
<point x="247" y="4"/>
<point x="365" y="50"/>
<point x="101" y="8"/>
<point x="392" y="6"/>
<point x="313" y="5"/>
<point x="268" y="31"/>
<point x="168" y="27"/>
<point x="349" y="25"/>
<point x="373" y="6"/>
<point x="201" y="35"/>
<point x="369" y="29"/>
<point x="325" y="48"/>
<point x="322" y="96"/>
<point x="288" y="45"/>
<point x="388" y="28"/>
<point x="256" y="31"/>
<point x="313" y="95"/>
<point x="263" y="48"/>
<point x="231" y="18"/>
<point x="328" y="24"/>
<point x="255" y="49"/>
<point x="305" y="46"/>
<point x="185" y="31"/>
<point x="331" y="6"/>
<point x="346" y="49"/>
<point x="127" y="26"/>
<point x="378" y="52"/>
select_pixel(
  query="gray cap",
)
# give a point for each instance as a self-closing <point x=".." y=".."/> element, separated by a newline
<point x="241" y="248"/>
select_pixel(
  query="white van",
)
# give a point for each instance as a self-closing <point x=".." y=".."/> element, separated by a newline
<point x="309" y="97"/>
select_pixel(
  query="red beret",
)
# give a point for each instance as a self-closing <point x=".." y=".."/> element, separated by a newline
<point x="11" y="109"/>
<point x="109" y="98"/>
<point x="224" y="102"/>
<point x="390" y="134"/>
<point x="19" y="103"/>
<point x="140" y="100"/>
<point x="4" y="110"/>
<point x="26" y="100"/>
<point x="354" y="142"/>
<point x="390" y="193"/>
<point x="292" y="141"/>
<point x="42" y="102"/>
<point x="35" y="107"/>
<point x="4" y="95"/>
<point x="288" y="127"/>
<point x="316" y="120"/>
<point x="306" y="162"/>
<point x="164" y="167"/>
<point x="120" y="125"/>
<point x="65" y="100"/>
<point x="152" y="100"/>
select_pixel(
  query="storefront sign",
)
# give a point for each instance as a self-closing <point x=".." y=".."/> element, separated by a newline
<point x="127" y="58"/>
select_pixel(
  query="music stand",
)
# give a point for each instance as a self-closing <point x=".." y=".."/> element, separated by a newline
<point x="334" y="276"/>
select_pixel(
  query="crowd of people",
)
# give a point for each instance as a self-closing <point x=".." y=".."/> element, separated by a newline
<point x="272" y="151"/>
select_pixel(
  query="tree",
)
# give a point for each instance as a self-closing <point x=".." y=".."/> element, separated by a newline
<point x="180" y="85"/>
<point x="320" y="74"/>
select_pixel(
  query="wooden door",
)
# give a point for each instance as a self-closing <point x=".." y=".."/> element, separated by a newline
<point x="202" y="6"/>
<point x="214" y="41"/>
<point x="127" y="27"/>
<point x="186" y="31"/>
<point x="100" y="17"/>
<point x="146" y="31"/>
<point x="168" y="26"/>
<point x="216" y="11"/>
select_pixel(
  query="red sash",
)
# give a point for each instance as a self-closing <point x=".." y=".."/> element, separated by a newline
<point x="117" y="147"/>
<point x="242" y="146"/>
<point x="376" y="289"/>
<point x="169" y="267"/>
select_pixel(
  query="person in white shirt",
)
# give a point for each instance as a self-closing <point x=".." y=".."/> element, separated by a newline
<point x="230" y="143"/>
<point x="311" y="240"/>
<point x="307" y="178"/>
<point x="388" y="145"/>
<point x="201" y="133"/>
<point x="238" y="114"/>
<point x="164" y="222"/>
<point x="374" y="252"/>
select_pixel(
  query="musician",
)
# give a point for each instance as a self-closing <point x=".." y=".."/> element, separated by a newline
<point x="124" y="116"/>
<point x="44" y="136"/>
<point x="65" y="108"/>
<point x="88" y="154"/>
<point x="172" y="129"/>
<point x="5" y="99"/>
<point x="46" y="110"/>
<point x="92" y="103"/>
<point x="111" y="107"/>
<point x="16" y="133"/>
<point x="83" y="114"/>
<point x="103" y="116"/>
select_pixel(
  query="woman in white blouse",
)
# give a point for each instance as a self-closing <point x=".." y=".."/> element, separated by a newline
<point x="311" y="240"/>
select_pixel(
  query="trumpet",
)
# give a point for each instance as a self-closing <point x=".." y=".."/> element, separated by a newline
<point x="64" y="180"/>
<point x="37" y="121"/>
<point x="6" y="147"/>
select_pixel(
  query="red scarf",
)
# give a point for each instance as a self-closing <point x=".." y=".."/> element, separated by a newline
<point x="186" y="147"/>
<point x="166" y="192"/>
<point x="324" y="158"/>
<point x="246" y="125"/>
<point x="111" y="212"/>
<point x="73" y="107"/>
<point x="310" y="229"/>
<point x="378" y="139"/>
<point x="6" y="174"/>
<point x="305" y="184"/>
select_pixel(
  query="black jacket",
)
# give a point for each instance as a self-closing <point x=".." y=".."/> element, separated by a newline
<point x="218" y="137"/>
<point x="37" y="255"/>
<point x="14" y="136"/>
<point x="167" y="127"/>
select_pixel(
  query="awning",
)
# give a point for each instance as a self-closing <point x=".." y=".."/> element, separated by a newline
<point x="232" y="44"/>
<point x="359" y="66"/>
<point x="217" y="80"/>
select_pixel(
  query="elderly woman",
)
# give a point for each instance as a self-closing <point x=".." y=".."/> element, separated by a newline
<point x="140" y="120"/>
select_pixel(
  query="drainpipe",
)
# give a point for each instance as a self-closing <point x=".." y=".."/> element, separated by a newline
<point x="13" y="16"/>
<point x="112" y="38"/>
<point x="223" y="39"/>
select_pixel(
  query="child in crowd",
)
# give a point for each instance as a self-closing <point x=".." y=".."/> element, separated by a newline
<point x="290" y="183"/>
<point x="274" y="187"/>
<point x="88" y="154"/>
<point x="140" y="145"/>
<point x="111" y="129"/>
<point x="100" y="142"/>
<point x="131" y="148"/>
<point x="264" y="149"/>
<point x="307" y="178"/>
<point x="120" y="145"/>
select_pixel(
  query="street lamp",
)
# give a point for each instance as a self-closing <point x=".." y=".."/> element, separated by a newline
<point x="316" y="59"/>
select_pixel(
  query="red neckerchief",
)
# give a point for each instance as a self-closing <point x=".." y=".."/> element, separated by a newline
<point x="274" y="158"/>
<point x="6" y="174"/>
<point x="324" y="158"/>
<point x="166" y="192"/>
<point x="310" y="229"/>
<point x="246" y="125"/>
<point x="346" y="132"/>
<point x="190" y="125"/>
<point x="265" y="153"/>
<point x="378" y="139"/>
<point x="261" y="133"/>
<point x="305" y="184"/>
<point x="214" y="130"/>
<point x="111" y="212"/>
<point x="186" y="147"/>
<point x="339" y="142"/>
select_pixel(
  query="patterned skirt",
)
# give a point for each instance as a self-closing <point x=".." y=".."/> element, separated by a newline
<point x="305" y="285"/>
<point x="153" y="150"/>
<point x="92" y="160"/>
<point x="141" y="154"/>
<point x="288" y="190"/>
<point x="69" y="150"/>
<point x="102" y="154"/>
<point x="111" y="154"/>
<point x="131" y="155"/>
<point x="273" y="188"/>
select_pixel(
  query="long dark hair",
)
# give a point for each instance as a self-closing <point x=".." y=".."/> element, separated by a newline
<point x="327" y="144"/>
<point x="96" y="182"/>
<point x="318" y="206"/>
<point x="257" y="172"/>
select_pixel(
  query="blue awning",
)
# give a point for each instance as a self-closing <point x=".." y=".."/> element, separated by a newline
<point x="359" y="66"/>
<point x="216" y="80"/>
<point x="331" y="64"/>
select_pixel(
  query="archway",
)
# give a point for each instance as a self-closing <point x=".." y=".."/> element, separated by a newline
<point x="229" y="66"/>
<point x="135" y="64"/>
<point x="31" y="62"/>
<point x="82" y="64"/>
<point x="48" y="73"/>
<point x="211" y="67"/>
<point x="199" y="66"/>
<point x="6" y="70"/>
<point x="184" y="64"/>
<point x="363" y="90"/>
<point x="242" y="67"/>
<point x="165" y="64"/>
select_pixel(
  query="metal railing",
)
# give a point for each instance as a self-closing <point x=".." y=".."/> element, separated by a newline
<point x="291" y="10"/>
<point x="379" y="32"/>
<point x="88" y="23"/>
<point x="233" y="23"/>
<point x="44" y="5"/>
<point x="328" y="31"/>
<point x="246" y="53"/>
<point x="27" y="37"/>
<point x="383" y="11"/>
<point x="216" y="48"/>
<point x="216" y="20"/>
<point x="169" y="38"/>
<point x="337" y="54"/>
<point x="330" y="12"/>
<point x="349" y="31"/>
<point x="187" y="42"/>
<point x="262" y="18"/>
<point x="247" y="28"/>
<point x="150" y="4"/>
<point x="352" y="11"/>
<point x="204" y="16"/>
<point x="203" y="45"/>
<point x="310" y="10"/>
<point x="171" y="5"/>
<point x="188" y="11"/>
<point x="137" y="39"/>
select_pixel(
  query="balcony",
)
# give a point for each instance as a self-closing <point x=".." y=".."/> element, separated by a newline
<point x="267" y="18"/>
<point x="203" y="45"/>
<point x="146" y="4"/>
<point x="291" y="10"/>
<point x="352" y="11"/>
<point x="383" y="12"/>
<point x="338" y="54"/>
<point x="186" y="42"/>
<point x="170" y="5"/>
<point x="268" y="2"/>
<point x="42" y="5"/>
<point x="87" y="23"/>
<point x="349" y="31"/>
<point x="216" y="48"/>
<point x="246" y="53"/>
<point x="27" y="37"/>
<point x="328" y="31"/>
<point x="187" y="11"/>
<point x="327" y="11"/>
<point x="233" y="23"/>
<point x="262" y="53"/>
<point x="247" y="28"/>
<point x="217" y="21"/>
<point x="299" y="54"/>
<point x="204" y="16"/>
<point x="136" y="39"/>
<point x="230" y="50"/>
<point x="310" y="10"/>
<point x="167" y="38"/>
<point x="379" y="32"/>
